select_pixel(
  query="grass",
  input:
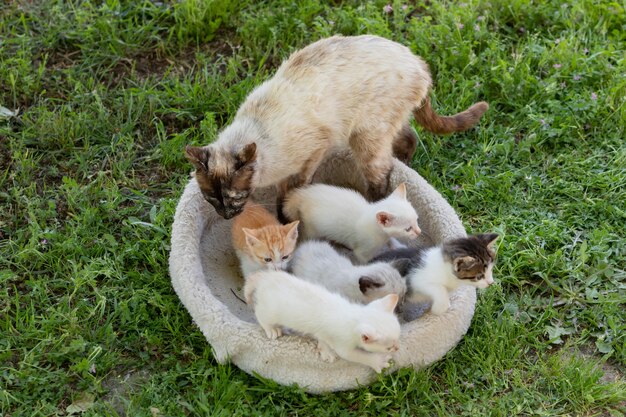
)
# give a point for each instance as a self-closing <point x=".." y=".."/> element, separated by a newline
<point x="107" y="94"/>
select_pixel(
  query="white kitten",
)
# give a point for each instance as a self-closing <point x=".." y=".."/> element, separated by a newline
<point x="345" y="216"/>
<point x="320" y="263"/>
<point x="365" y="334"/>
<point x="432" y="273"/>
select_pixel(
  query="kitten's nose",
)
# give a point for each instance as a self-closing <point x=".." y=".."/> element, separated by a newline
<point x="395" y="348"/>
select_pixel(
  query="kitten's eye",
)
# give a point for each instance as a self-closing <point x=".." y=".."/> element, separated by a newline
<point x="285" y="257"/>
<point x="267" y="260"/>
<point x="408" y="229"/>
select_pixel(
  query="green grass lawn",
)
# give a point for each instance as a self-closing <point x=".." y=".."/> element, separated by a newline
<point x="108" y="92"/>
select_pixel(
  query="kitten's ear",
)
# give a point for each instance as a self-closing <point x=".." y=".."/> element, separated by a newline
<point x="292" y="230"/>
<point x="251" y="239"/>
<point x="463" y="263"/>
<point x="400" y="191"/>
<point x="384" y="218"/>
<point x="489" y="239"/>
<point x="402" y="265"/>
<point x="368" y="283"/>
<point x="387" y="303"/>
<point x="246" y="154"/>
<point x="198" y="156"/>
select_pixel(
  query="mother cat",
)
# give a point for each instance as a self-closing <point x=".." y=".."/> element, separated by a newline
<point x="340" y="92"/>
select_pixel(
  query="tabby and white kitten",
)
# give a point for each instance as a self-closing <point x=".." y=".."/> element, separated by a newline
<point x="260" y="241"/>
<point x="319" y="263"/>
<point x="432" y="273"/>
<point x="354" y="93"/>
<point x="346" y="217"/>
<point x="365" y="334"/>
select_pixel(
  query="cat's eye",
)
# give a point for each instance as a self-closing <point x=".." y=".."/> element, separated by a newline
<point x="285" y="257"/>
<point x="408" y="229"/>
<point x="267" y="260"/>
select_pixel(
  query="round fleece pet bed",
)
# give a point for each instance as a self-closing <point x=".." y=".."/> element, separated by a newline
<point x="205" y="275"/>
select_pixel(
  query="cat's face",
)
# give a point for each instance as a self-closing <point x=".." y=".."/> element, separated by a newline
<point x="381" y="332"/>
<point x="272" y="246"/>
<point x="473" y="258"/>
<point x="224" y="177"/>
<point x="381" y="279"/>
<point x="399" y="218"/>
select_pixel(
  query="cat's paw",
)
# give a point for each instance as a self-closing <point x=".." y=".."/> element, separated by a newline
<point x="380" y="361"/>
<point x="326" y="353"/>
<point x="440" y="307"/>
<point x="273" y="332"/>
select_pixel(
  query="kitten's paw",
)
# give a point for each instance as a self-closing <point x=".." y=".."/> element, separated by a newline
<point x="380" y="362"/>
<point x="440" y="308"/>
<point x="326" y="353"/>
<point x="273" y="332"/>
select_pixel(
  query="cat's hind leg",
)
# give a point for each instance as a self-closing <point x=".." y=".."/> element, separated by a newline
<point x="374" y="155"/>
<point x="439" y="295"/>
<point x="302" y="178"/>
<point x="405" y="143"/>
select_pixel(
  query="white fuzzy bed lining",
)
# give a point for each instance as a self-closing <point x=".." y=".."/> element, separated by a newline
<point x="205" y="275"/>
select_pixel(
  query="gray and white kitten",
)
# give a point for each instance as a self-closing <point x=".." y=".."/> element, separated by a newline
<point x="431" y="273"/>
<point x="318" y="262"/>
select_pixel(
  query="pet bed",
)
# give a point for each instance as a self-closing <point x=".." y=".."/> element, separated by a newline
<point x="206" y="277"/>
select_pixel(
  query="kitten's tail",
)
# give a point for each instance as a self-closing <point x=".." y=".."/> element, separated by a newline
<point x="442" y="125"/>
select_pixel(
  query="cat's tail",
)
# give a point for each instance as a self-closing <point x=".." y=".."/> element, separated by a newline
<point x="442" y="125"/>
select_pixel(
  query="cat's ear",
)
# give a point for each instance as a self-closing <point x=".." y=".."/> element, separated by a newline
<point x="251" y="239"/>
<point x="463" y="263"/>
<point x="368" y="283"/>
<point x="489" y="239"/>
<point x="402" y="265"/>
<point x="387" y="303"/>
<point x="198" y="156"/>
<point x="247" y="154"/>
<point x="384" y="218"/>
<point x="292" y="230"/>
<point x="400" y="191"/>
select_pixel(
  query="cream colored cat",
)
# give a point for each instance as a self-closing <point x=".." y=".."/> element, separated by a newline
<point x="260" y="241"/>
<point x="342" y="92"/>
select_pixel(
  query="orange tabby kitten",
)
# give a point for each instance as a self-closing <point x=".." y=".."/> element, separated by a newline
<point x="260" y="241"/>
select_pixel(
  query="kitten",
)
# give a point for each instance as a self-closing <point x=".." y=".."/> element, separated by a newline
<point x="355" y="92"/>
<point x="365" y="334"/>
<point x="319" y="263"/>
<point x="344" y="216"/>
<point x="433" y="272"/>
<point x="260" y="241"/>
